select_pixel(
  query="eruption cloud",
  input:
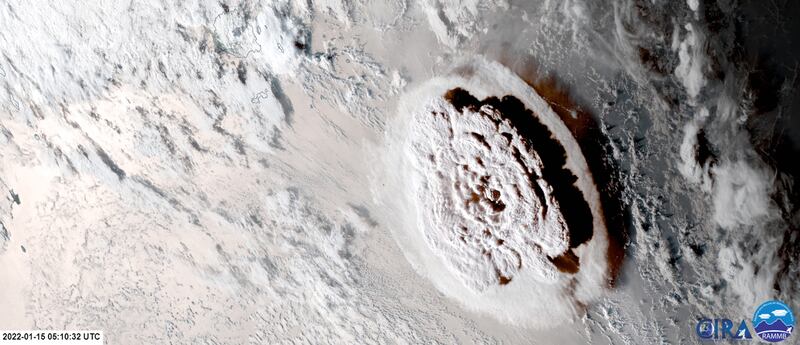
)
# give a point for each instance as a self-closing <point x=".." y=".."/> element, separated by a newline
<point x="507" y="217"/>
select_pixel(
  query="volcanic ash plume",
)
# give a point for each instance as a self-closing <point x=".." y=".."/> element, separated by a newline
<point x="504" y="201"/>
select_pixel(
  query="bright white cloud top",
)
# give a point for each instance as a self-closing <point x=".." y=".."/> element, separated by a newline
<point x="508" y="220"/>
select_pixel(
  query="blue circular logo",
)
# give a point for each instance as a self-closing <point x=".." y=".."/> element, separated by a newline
<point x="705" y="329"/>
<point x="773" y="321"/>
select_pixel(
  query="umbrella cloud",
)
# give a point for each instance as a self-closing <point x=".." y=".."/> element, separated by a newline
<point x="505" y="201"/>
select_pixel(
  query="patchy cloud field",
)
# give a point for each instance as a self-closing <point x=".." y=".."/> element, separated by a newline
<point x="393" y="171"/>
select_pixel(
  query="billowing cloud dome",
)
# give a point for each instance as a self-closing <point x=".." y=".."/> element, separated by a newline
<point x="508" y="218"/>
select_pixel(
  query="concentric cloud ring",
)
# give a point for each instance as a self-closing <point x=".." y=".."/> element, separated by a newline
<point x="508" y="218"/>
<point x="489" y="209"/>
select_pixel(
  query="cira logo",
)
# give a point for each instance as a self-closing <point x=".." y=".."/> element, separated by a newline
<point x="773" y="321"/>
<point x="716" y="329"/>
